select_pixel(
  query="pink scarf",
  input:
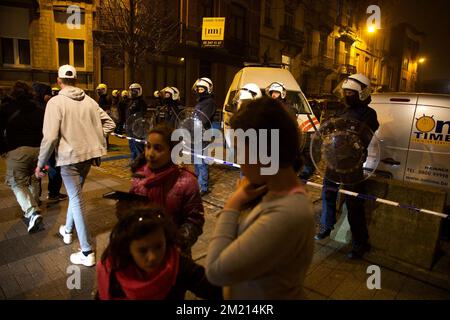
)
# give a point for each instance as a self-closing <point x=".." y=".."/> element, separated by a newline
<point x="136" y="284"/>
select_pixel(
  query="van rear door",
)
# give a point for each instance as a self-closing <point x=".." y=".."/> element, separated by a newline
<point x="429" y="154"/>
<point x="395" y="115"/>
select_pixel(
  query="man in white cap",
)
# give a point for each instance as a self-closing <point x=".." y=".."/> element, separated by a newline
<point x="76" y="127"/>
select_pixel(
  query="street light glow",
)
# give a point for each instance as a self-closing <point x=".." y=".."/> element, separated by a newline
<point x="371" y="29"/>
<point x="421" y="60"/>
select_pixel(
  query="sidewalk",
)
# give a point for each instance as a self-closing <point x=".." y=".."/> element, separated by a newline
<point x="35" y="266"/>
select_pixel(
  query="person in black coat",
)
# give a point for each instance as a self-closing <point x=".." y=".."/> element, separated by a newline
<point x="21" y="119"/>
<point x="356" y="95"/>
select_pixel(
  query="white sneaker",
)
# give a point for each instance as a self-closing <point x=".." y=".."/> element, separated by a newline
<point x="34" y="222"/>
<point x="67" y="237"/>
<point x="80" y="258"/>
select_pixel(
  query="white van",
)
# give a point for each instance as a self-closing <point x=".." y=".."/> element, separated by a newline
<point x="263" y="77"/>
<point x="414" y="136"/>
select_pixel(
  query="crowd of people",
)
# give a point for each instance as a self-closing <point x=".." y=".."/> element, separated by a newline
<point x="258" y="251"/>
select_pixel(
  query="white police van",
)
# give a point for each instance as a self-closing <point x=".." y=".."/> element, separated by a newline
<point x="263" y="76"/>
<point x="414" y="136"/>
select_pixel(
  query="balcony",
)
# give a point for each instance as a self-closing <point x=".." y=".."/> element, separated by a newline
<point x="326" y="63"/>
<point x="347" y="35"/>
<point x="293" y="38"/>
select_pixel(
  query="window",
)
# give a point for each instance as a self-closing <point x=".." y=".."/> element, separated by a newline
<point x="237" y="21"/>
<point x="357" y="61"/>
<point x="63" y="51"/>
<point x="337" y="45"/>
<point x="288" y="17"/>
<point x="8" y="50"/>
<point x="71" y="52"/>
<point x="24" y="51"/>
<point x="323" y="44"/>
<point x="375" y="69"/>
<point x="16" y="51"/>
<point x="405" y="63"/>
<point x="78" y="53"/>
<point x="348" y="49"/>
<point x="268" y="13"/>
<point x="366" y="67"/>
<point x="208" y="8"/>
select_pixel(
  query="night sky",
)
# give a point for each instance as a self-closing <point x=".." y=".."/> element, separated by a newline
<point x="432" y="18"/>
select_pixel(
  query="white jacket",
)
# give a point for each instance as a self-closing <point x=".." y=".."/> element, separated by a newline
<point x="75" y="126"/>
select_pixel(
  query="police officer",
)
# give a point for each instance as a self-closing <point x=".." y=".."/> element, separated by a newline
<point x="277" y="91"/>
<point x="206" y="104"/>
<point x="172" y="106"/>
<point x="55" y="91"/>
<point x="123" y="106"/>
<point x="104" y="101"/>
<point x="137" y="106"/>
<point x="356" y="95"/>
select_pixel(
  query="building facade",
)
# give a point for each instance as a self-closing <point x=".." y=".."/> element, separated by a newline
<point x="320" y="41"/>
<point x="39" y="36"/>
<point x="187" y="60"/>
<point x="323" y="41"/>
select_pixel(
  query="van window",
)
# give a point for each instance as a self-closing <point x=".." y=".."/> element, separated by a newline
<point x="230" y="106"/>
<point x="294" y="98"/>
<point x="297" y="101"/>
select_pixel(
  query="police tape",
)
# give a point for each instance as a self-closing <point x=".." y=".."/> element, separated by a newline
<point x="315" y="185"/>
<point x="128" y="138"/>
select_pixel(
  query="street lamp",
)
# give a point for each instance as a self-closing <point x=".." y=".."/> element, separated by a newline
<point x="422" y="60"/>
<point x="371" y="29"/>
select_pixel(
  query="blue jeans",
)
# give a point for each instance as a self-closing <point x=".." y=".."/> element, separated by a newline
<point x="54" y="177"/>
<point x="74" y="176"/>
<point x="136" y="148"/>
<point x="201" y="170"/>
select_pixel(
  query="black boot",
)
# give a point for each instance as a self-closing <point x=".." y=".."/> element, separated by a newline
<point x="358" y="250"/>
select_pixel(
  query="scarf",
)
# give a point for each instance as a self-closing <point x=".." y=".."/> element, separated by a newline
<point x="135" y="285"/>
<point x="157" y="183"/>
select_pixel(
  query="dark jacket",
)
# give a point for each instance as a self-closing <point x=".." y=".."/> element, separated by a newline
<point x="123" y="106"/>
<point x="25" y="129"/>
<point x="41" y="90"/>
<point x="364" y="114"/>
<point x="104" y="101"/>
<point x="207" y="106"/>
<point x="172" y="109"/>
<point x="136" y="105"/>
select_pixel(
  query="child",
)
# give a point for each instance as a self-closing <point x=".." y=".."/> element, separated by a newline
<point x="173" y="188"/>
<point x="143" y="262"/>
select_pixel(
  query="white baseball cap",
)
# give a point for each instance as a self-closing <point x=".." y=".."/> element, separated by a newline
<point x="67" y="71"/>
